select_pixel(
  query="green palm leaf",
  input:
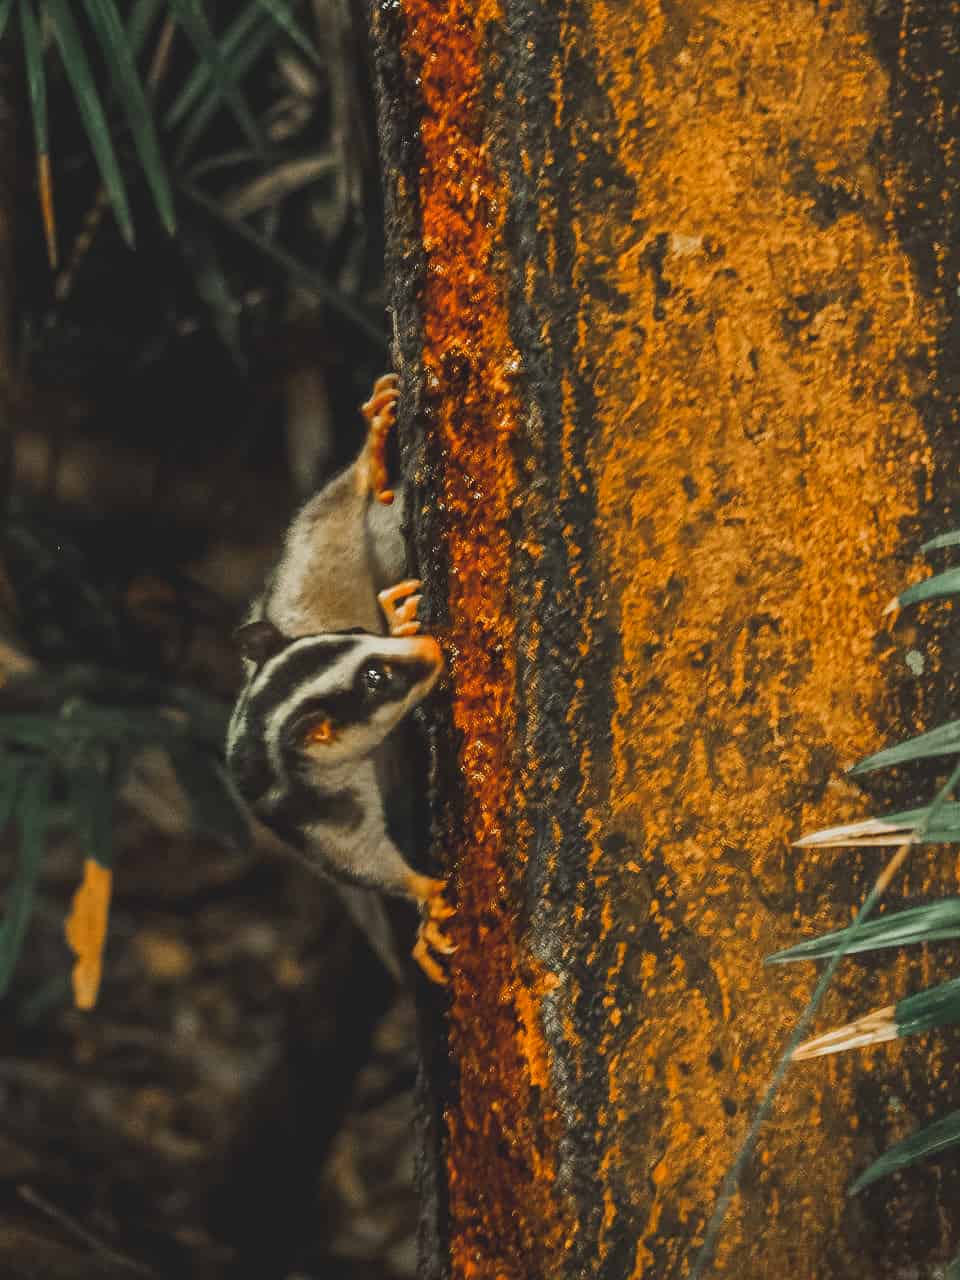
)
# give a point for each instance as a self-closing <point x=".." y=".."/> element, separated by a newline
<point x="951" y="539"/>
<point x="192" y="18"/>
<point x="892" y="828"/>
<point x="240" y="63"/>
<point x="91" y="793"/>
<point x="935" y="1137"/>
<point x="37" y="86"/>
<point x="32" y="803"/>
<point x="942" y="741"/>
<point x="935" y="588"/>
<point x="198" y="80"/>
<point x="936" y="1007"/>
<point x="88" y="103"/>
<point x="106" y="24"/>
<point x="143" y="14"/>
<point x="281" y="15"/>
<point x="936" y="922"/>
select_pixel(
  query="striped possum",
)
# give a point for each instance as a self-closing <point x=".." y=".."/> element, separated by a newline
<point x="334" y="663"/>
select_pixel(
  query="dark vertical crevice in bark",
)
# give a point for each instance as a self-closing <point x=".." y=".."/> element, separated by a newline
<point x="399" y="108"/>
<point x="696" y="245"/>
<point x="555" y="154"/>
<point x="919" y="157"/>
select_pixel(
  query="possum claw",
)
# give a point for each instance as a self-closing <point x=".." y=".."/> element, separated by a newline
<point x="434" y="908"/>
<point x="380" y="411"/>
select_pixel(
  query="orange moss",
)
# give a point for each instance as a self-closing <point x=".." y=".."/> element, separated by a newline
<point x="754" y="367"/>
<point x="750" y="439"/>
<point x="471" y="363"/>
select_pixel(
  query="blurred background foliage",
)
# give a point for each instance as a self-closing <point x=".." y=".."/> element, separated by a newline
<point x="191" y="307"/>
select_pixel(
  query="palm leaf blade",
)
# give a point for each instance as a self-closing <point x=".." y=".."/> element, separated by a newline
<point x="192" y="18"/>
<point x="281" y="15"/>
<point x="951" y="539"/>
<point x="199" y="78"/>
<point x="893" y="828"/>
<point x="88" y="103"/>
<point x="935" y="1137"/>
<point x="938" y="1006"/>
<point x="143" y="14"/>
<point x="37" y="88"/>
<point x="935" y="922"/>
<point x="942" y="741"/>
<point x="91" y="806"/>
<point x="32" y="802"/>
<point x="935" y="588"/>
<point x="119" y="57"/>
<point x="240" y="64"/>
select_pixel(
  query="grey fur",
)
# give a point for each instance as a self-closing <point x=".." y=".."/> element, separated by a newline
<point x="328" y="799"/>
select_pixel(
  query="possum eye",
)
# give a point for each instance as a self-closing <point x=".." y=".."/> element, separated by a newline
<point x="375" y="681"/>
<point x="319" y="733"/>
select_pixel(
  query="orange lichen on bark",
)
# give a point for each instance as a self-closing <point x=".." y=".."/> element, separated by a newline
<point x="756" y="397"/>
<point x="470" y="363"/>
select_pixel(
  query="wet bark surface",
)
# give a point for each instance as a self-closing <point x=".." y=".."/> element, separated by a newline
<point x="674" y="289"/>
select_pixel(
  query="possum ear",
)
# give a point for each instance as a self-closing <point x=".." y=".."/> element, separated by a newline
<point x="259" y="640"/>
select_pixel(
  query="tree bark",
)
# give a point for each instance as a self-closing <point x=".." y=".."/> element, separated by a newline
<point x="675" y="302"/>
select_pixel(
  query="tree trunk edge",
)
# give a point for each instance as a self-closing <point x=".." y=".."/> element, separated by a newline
<point x="623" y="1220"/>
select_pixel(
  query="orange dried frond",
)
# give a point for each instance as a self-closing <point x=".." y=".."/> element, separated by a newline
<point x="86" y="931"/>
<point x="45" y="184"/>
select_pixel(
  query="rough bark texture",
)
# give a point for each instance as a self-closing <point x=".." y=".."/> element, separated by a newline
<point x="675" y="292"/>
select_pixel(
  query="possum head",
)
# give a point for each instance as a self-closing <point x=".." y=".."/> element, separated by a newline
<point x="324" y="701"/>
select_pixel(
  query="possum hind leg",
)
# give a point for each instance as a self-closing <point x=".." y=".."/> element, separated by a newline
<point x="434" y="910"/>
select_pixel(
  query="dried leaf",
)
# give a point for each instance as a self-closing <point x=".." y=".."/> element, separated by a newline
<point x="86" y="931"/>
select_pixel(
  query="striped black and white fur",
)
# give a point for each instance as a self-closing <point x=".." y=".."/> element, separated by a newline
<point x="315" y="742"/>
<point x="310" y="748"/>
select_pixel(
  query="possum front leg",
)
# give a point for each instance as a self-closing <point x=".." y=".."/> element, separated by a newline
<point x="401" y="619"/>
<point x="380" y="411"/>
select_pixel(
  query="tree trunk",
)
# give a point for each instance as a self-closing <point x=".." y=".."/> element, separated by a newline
<point x="675" y="295"/>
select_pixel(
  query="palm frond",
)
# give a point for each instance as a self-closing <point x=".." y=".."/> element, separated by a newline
<point x="37" y="87"/>
<point x="6" y="8"/>
<point x="939" y="1136"/>
<point x="198" y="81"/>
<point x="30" y="801"/>
<point x="951" y="539"/>
<point x="942" y="741"/>
<point x="143" y="14"/>
<point x="279" y="12"/>
<point x="118" y="54"/>
<point x="936" y="1007"/>
<point x="212" y="98"/>
<point x="937" y="922"/>
<point x="77" y="67"/>
<point x="892" y="829"/>
<point x="193" y="19"/>
<point x="935" y="588"/>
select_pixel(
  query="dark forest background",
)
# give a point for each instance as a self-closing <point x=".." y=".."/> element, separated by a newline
<point x="238" y="1102"/>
